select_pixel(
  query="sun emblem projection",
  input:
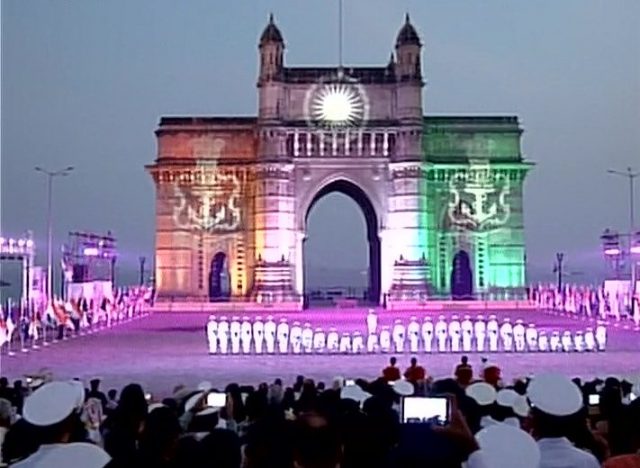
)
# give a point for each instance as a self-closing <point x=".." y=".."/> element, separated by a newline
<point x="336" y="103"/>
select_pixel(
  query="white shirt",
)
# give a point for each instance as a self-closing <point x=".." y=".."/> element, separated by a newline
<point x="560" y="453"/>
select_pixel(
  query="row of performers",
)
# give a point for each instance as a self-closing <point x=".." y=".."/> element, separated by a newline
<point x="585" y="300"/>
<point x="246" y="336"/>
<point x="74" y="314"/>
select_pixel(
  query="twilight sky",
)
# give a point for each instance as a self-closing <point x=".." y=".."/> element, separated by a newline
<point x="84" y="83"/>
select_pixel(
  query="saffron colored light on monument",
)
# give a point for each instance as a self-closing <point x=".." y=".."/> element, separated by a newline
<point x="612" y="252"/>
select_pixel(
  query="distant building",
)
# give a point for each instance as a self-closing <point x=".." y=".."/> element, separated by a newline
<point x="442" y="196"/>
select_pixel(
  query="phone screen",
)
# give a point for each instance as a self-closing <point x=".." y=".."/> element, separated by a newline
<point x="594" y="399"/>
<point x="425" y="409"/>
<point x="349" y="382"/>
<point x="216" y="400"/>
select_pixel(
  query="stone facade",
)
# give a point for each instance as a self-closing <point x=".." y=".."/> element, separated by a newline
<point x="429" y="187"/>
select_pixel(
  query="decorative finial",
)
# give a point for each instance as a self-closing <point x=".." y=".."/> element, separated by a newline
<point x="271" y="18"/>
<point x="406" y="18"/>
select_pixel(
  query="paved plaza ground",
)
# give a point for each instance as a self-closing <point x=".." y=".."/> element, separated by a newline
<point x="162" y="350"/>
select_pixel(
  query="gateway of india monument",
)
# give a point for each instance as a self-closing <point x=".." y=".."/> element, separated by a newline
<point x="442" y="196"/>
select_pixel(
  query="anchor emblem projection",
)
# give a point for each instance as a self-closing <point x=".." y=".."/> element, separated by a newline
<point x="479" y="199"/>
<point x="214" y="204"/>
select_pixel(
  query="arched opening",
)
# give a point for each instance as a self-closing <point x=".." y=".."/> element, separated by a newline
<point x="461" y="277"/>
<point x="350" y="261"/>
<point x="219" y="278"/>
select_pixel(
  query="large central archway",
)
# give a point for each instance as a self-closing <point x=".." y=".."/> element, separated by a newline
<point x="354" y="192"/>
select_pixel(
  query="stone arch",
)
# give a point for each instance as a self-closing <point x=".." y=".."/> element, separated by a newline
<point x="372" y="221"/>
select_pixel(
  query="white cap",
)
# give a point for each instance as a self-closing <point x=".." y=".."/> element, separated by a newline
<point x="353" y="392"/>
<point x="307" y="324"/>
<point x="482" y="393"/>
<point x="403" y="388"/>
<point x="532" y="325"/>
<point x="205" y="386"/>
<point x="519" y="321"/>
<point x="507" y="319"/>
<point x="154" y="406"/>
<point x="554" y="394"/>
<point x="480" y="317"/>
<point x="258" y="318"/>
<point x="245" y="318"/>
<point x="507" y="397"/>
<point x="52" y="403"/>
<point x="427" y="319"/>
<point x="521" y="406"/>
<point x="454" y="317"/>
<point x="212" y="317"/>
<point x="208" y="410"/>
<point x="74" y="454"/>
<point x="224" y="317"/>
<point x="441" y="317"/>
<point x="191" y="402"/>
<point x="467" y="317"/>
<point x="413" y="317"/>
<point x="283" y="320"/>
<point x="296" y="323"/>
<point x="235" y="318"/>
<point x="398" y="321"/>
<point x="269" y="317"/>
<point x="506" y="446"/>
<point x="492" y="317"/>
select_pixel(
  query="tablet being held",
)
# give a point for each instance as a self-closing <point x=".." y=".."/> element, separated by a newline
<point x="434" y="410"/>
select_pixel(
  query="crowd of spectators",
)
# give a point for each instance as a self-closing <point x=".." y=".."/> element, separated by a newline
<point x="312" y="424"/>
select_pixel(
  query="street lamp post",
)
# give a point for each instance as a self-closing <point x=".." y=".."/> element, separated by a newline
<point x="558" y="269"/>
<point x="50" y="176"/>
<point x="142" y="261"/>
<point x="631" y="175"/>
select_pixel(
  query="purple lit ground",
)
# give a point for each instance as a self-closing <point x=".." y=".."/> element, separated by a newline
<point x="160" y="351"/>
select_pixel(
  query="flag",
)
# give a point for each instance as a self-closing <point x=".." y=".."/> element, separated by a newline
<point x="4" y="335"/>
<point x="11" y="326"/>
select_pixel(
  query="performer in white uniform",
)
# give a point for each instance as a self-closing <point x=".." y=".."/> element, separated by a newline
<point x="467" y="333"/>
<point x="567" y="341"/>
<point x="307" y="338"/>
<point x="295" y="336"/>
<point x="283" y="336"/>
<point x="234" y="328"/>
<point x="212" y="334"/>
<point x="554" y="341"/>
<point x="398" y="336"/>
<point x="413" y="330"/>
<point x="578" y="342"/>
<point x="506" y="334"/>
<point x="372" y="322"/>
<point x="427" y="334"/>
<point x="345" y="343"/>
<point x="270" y="335"/>
<point x="532" y="338"/>
<point x="258" y="334"/>
<point x="385" y="339"/>
<point x="357" y="343"/>
<point x="319" y="341"/>
<point x="372" y="343"/>
<point x="333" y="340"/>
<point x="480" y="330"/>
<point x="454" y="334"/>
<point x="601" y="336"/>
<point x="245" y="335"/>
<point x="543" y="342"/>
<point x="441" y="334"/>
<point x="492" y="331"/>
<point x="589" y="340"/>
<point x="223" y="335"/>
<point x="518" y="336"/>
